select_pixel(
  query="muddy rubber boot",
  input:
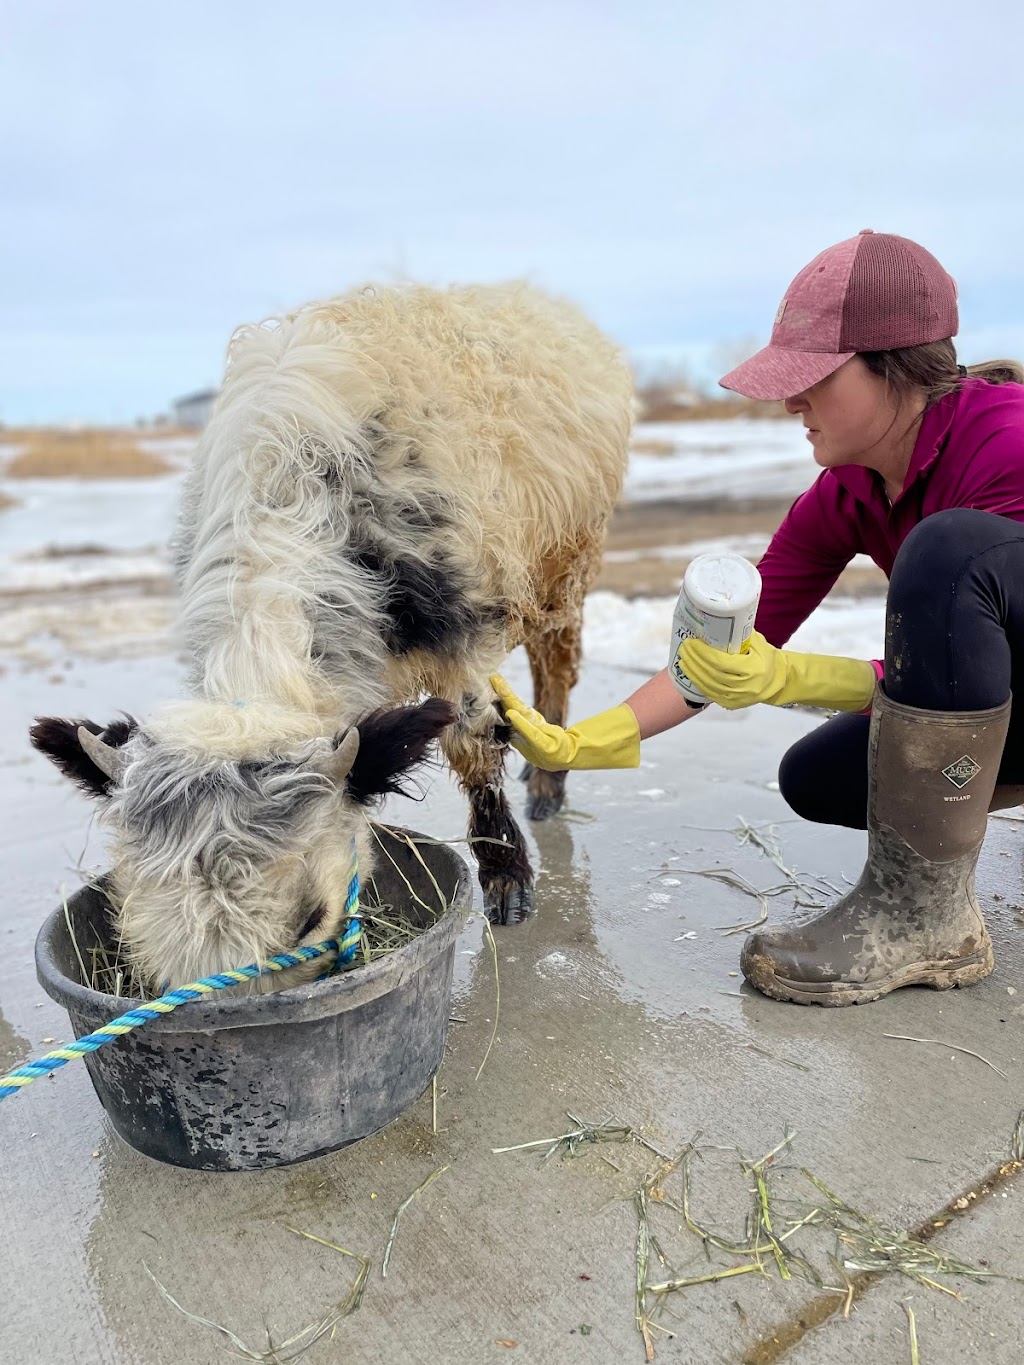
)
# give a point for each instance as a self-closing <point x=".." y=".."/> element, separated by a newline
<point x="913" y="918"/>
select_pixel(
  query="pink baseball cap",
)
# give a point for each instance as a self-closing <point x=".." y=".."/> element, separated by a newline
<point x="874" y="292"/>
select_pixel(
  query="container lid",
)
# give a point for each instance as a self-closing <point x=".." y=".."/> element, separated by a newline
<point x="724" y="582"/>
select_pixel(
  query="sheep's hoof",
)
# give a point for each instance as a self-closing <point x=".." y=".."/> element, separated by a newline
<point x="543" y="805"/>
<point x="507" y="902"/>
<point x="526" y="772"/>
<point x="545" y="795"/>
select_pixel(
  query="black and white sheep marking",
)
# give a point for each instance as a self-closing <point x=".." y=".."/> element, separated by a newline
<point x="398" y="486"/>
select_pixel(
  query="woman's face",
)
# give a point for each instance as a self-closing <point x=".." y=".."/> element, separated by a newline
<point x="847" y="416"/>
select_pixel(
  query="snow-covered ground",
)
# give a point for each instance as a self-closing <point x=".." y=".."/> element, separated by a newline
<point x="70" y="532"/>
<point x="735" y="459"/>
<point x="637" y="633"/>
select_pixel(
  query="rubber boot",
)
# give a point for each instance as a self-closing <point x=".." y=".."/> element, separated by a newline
<point x="913" y="918"/>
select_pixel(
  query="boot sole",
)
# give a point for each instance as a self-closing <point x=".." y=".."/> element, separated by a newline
<point x="940" y="976"/>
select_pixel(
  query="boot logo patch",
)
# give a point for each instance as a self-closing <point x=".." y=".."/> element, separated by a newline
<point x="961" y="772"/>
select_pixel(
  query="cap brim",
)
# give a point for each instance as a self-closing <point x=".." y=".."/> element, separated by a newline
<point x="774" y="374"/>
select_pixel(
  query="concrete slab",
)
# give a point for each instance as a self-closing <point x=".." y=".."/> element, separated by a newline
<point x="608" y="1008"/>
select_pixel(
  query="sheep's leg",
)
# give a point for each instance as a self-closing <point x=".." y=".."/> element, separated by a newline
<point x="476" y="753"/>
<point x="555" y="664"/>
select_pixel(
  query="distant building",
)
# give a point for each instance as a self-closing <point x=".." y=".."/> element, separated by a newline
<point x="195" y="410"/>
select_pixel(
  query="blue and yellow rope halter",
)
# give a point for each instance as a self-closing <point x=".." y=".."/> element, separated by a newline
<point x="346" y="948"/>
<point x="348" y="944"/>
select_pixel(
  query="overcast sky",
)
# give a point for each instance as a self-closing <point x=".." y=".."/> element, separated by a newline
<point x="169" y="172"/>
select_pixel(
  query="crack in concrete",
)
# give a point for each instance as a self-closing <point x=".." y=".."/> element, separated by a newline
<point x="780" y="1340"/>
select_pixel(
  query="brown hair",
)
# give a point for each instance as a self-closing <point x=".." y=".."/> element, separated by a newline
<point x="933" y="368"/>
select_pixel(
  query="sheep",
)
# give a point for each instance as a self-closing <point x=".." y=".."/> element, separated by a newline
<point x="398" y="486"/>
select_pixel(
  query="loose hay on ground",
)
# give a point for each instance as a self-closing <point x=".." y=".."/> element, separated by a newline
<point x="863" y="1246"/>
<point x="298" y="1344"/>
<point x="856" y="1246"/>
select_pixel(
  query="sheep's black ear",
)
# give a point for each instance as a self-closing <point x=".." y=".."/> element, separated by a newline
<point x="58" y="740"/>
<point x="391" y="744"/>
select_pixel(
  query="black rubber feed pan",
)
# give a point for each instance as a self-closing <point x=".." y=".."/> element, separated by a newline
<point x="244" y="1083"/>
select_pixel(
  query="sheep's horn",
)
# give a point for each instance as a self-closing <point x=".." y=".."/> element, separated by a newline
<point x="109" y="760"/>
<point x="338" y="764"/>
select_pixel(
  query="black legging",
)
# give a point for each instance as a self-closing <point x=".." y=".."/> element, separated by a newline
<point x="954" y="641"/>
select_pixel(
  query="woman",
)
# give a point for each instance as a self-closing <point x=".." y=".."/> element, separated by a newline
<point x="923" y="470"/>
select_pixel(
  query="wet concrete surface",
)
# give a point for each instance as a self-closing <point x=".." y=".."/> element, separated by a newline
<point x="619" y="1000"/>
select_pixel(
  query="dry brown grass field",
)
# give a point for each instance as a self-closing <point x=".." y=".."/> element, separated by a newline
<point x="663" y="407"/>
<point x="92" y="453"/>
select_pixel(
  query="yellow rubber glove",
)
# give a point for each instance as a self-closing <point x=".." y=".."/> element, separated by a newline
<point x="779" y="677"/>
<point x="608" y="740"/>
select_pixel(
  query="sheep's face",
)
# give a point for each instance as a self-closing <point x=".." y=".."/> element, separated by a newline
<point x="221" y="862"/>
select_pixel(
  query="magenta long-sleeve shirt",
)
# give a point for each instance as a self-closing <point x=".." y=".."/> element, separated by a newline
<point x="969" y="453"/>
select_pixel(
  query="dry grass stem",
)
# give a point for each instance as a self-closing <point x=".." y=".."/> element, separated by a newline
<point x="570" y="1143"/>
<point x="670" y="1286"/>
<point x="645" y="1241"/>
<point x="401" y="1209"/>
<point x="937" y="1042"/>
<point x="915" y="1357"/>
<point x="643" y="1251"/>
<point x="767" y="844"/>
<point x="850" y="1289"/>
<point x="301" y="1341"/>
<point x="762" y="1205"/>
<point x="110" y="972"/>
<point x="1017" y="1140"/>
<point x="86" y="977"/>
<point x="729" y="877"/>
<point x="378" y="829"/>
<point x="808" y="887"/>
<point x="806" y="891"/>
<point x="343" y="1309"/>
<point x="442" y="902"/>
<point x="497" y="995"/>
<point x="236" y="1341"/>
